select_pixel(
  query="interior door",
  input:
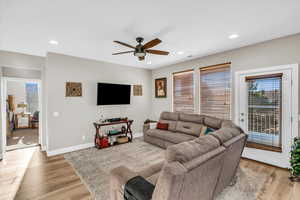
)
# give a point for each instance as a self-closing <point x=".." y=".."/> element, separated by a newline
<point x="265" y="114"/>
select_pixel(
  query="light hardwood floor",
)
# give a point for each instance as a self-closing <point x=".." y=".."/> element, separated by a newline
<point x="30" y="174"/>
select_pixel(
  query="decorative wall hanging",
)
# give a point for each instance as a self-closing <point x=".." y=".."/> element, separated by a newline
<point x="73" y="89"/>
<point x="161" y="88"/>
<point x="137" y="90"/>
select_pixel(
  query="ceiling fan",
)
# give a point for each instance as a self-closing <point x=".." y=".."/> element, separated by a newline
<point x="141" y="50"/>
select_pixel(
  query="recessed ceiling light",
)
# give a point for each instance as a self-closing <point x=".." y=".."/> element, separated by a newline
<point x="53" y="42"/>
<point x="180" y="52"/>
<point x="233" y="36"/>
<point x="149" y="63"/>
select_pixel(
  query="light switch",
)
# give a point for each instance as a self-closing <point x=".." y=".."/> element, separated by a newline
<point x="55" y="114"/>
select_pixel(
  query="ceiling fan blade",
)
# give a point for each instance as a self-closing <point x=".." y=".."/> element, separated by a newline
<point x="141" y="58"/>
<point x="152" y="43"/>
<point x="127" y="45"/>
<point x="122" y="52"/>
<point x="158" y="52"/>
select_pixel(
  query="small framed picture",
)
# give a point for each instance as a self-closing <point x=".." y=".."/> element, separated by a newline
<point x="161" y="88"/>
<point x="137" y="90"/>
<point x="73" y="89"/>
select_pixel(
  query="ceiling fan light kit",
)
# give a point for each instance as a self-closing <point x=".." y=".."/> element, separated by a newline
<point x="141" y="50"/>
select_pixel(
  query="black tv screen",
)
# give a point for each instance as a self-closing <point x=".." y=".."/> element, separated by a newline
<point x="113" y="94"/>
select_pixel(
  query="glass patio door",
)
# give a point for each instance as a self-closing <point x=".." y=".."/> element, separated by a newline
<point x="264" y="112"/>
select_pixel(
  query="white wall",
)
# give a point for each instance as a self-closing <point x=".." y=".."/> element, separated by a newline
<point x="77" y="114"/>
<point x="271" y="53"/>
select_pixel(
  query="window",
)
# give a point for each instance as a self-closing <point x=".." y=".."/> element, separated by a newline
<point x="32" y="97"/>
<point x="183" y="91"/>
<point x="264" y="111"/>
<point x="215" y="91"/>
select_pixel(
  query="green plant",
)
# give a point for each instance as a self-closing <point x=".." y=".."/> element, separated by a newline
<point x="295" y="160"/>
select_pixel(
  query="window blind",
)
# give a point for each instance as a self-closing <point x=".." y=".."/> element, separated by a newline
<point x="264" y="111"/>
<point x="183" y="91"/>
<point x="215" y="83"/>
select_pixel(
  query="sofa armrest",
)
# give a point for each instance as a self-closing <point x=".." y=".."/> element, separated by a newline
<point x="146" y="127"/>
<point x="148" y="124"/>
<point x="118" y="178"/>
<point x="169" y="183"/>
<point x="122" y="174"/>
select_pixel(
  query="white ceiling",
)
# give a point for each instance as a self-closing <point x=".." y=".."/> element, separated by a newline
<point x="86" y="28"/>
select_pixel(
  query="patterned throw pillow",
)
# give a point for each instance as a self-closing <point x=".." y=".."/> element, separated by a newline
<point x="162" y="126"/>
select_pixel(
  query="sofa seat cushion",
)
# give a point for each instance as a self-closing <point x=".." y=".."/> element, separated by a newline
<point x="173" y="137"/>
<point x="189" y="128"/>
<point x="187" y="151"/>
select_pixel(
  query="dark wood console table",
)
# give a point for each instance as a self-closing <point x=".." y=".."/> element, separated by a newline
<point x="127" y="131"/>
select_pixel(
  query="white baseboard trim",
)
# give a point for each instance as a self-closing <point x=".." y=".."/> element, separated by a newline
<point x="136" y="135"/>
<point x="79" y="147"/>
<point x="69" y="149"/>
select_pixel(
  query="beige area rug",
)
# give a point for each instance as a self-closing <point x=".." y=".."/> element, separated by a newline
<point x="93" y="167"/>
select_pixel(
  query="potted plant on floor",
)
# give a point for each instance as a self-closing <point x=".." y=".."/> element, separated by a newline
<point x="295" y="161"/>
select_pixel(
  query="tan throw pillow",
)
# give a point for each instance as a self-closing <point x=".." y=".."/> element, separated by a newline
<point x="203" y="130"/>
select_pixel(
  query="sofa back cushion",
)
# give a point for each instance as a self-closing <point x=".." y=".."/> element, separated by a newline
<point x="225" y="134"/>
<point x="186" y="151"/>
<point x="212" y="122"/>
<point x="189" y="128"/>
<point x="199" y="119"/>
<point x="174" y="116"/>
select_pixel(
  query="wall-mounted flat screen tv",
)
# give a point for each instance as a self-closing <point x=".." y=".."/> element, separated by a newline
<point x="113" y="94"/>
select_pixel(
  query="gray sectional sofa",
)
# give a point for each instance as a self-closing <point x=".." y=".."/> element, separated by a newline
<point x="182" y="128"/>
<point x="195" y="167"/>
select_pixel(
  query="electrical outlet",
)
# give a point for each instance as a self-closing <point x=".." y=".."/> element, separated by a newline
<point x="83" y="137"/>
